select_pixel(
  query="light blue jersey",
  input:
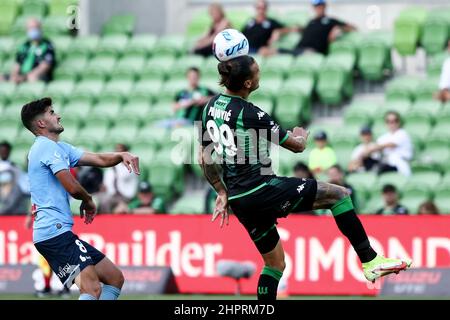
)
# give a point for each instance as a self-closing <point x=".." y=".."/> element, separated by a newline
<point x="50" y="201"/>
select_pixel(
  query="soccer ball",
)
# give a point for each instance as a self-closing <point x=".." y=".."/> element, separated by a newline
<point x="229" y="44"/>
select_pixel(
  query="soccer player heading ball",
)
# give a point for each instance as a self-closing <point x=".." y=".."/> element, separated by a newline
<point x="49" y="160"/>
<point x="239" y="134"/>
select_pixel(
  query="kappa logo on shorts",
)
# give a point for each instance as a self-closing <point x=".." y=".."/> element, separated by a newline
<point x="260" y="115"/>
<point x="66" y="270"/>
<point x="285" y="205"/>
<point x="300" y="188"/>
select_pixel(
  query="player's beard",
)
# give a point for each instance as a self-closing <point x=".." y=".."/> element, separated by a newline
<point x="58" y="130"/>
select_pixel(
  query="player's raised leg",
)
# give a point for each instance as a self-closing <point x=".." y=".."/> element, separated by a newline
<point x="111" y="277"/>
<point x="337" y="198"/>
<point x="272" y="272"/>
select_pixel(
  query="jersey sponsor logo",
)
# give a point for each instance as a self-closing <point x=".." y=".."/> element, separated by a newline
<point x="260" y="115"/>
<point x="219" y="114"/>
<point x="83" y="259"/>
<point x="300" y="188"/>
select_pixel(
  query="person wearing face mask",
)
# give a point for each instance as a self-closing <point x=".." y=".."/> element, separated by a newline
<point x="35" y="59"/>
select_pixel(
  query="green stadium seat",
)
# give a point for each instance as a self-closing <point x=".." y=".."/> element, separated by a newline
<point x="119" y="89"/>
<point x="96" y="133"/>
<point x="332" y="80"/>
<point x="84" y="46"/>
<point x="160" y="110"/>
<point x="375" y="203"/>
<point x="71" y="68"/>
<point x="413" y="203"/>
<point x="87" y="90"/>
<point x="279" y="64"/>
<point x="343" y="154"/>
<point x="400" y="106"/>
<point x="8" y="12"/>
<point x="435" y="63"/>
<point x="111" y="46"/>
<point x="178" y="71"/>
<point x="6" y="90"/>
<point x="443" y="118"/>
<point x="141" y="44"/>
<point x="435" y="31"/>
<point x="394" y="178"/>
<point x="264" y="102"/>
<point x="271" y="85"/>
<point x="407" y="30"/>
<point x="34" y="8"/>
<point x="426" y="181"/>
<point x="144" y="150"/>
<point x="436" y="158"/>
<point x="303" y="84"/>
<point x="147" y="89"/>
<point x="443" y="204"/>
<point x="120" y="25"/>
<point x="99" y="68"/>
<point x="77" y="110"/>
<point x="288" y="41"/>
<point x="362" y="180"/>
<point x="357" y="117"/>
<point x="157" y="68"/>
<point x="288" y="110"/>
<point x="171" y="88"/>
<point x="123" y="132"/>
<point x="308" y="63"/>
<point x="426" y="89"/>
<point x="170" y="45"/>
<point x="8" y="128"/>
<point x="239" y="17"/>
<point x="55" y="26"/>
<point x="189" y="204"/>
<point x="199" y="24"/>
<point x="29" y="90"/>
<point x="129" y="64"/>
<point x="374" y="58"/>
<point x="295" y="17"/>
<point x="402" y="88"/>
<point x="155" y="136"/>
<point x="7" y="46"/>
<point x="108" y="110"/>
<point x="60" y="89"/>
<point x="62" y="7"/>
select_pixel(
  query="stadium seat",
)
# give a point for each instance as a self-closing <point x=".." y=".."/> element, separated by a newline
<point x="128" y="68"/>
<point x="178" y="71"/>
<point x="123" y="131"/>
<point x="141" y="44"/>
<point x="144" y="150"/>
<point x="271" y="85"/>
<point x="288" y="110"/>
<point x="60" y="89"/>
<point x="87" y="90"/>
<point x="331" y="82"/>
<point x="263" y="101"/>
<point x="435" y="31"/>
<point x="426" y="89"/>
<point x="307" y="64"/>
<point x="407" y="29"/>
<point x="394" y="178"/>
<point x="55" y="26"/>
<point x="300" y="84"/>
<point x="374" y="58"/>
<point x="84" y="46"/>
<point x="198" y="25"/>
<point x="277" y="65"/>
<point x="120" y="25"/>
<point x="62" y="44"/>
<point x="170" y="45"/>
<point x="362" y="180"/>
<point x="8" y="12"/>
<point x="7" y="46"/>
<point x="238" y="17"/>
<point x="98" y="69"/>
<point x="62" y="7"/>
<point x="71" y="68"/>
<point x="443" y="204"/>
<point x="401" y="88"/>
<point x="9" y="128"/>
<point x="77" y="110"/>
<point x="435" y="63"/>
<point x="157" y="67"/>
<point x="111" y="46"/>
<point x="29" y="90"/>
<point x="146" y="89"/>
<point x="110" y="111"/>
<point x="375" y="203"/>
<point x="443" y="118"/>
<point x="153" y="135"/>
<point x="117" y="89"/>
<point x="295" y="17"/>
<point x="426" y="181"/>
<point x="192" y="204"/>
<point x="288" y="41"/>
<point x="6" y="91"/>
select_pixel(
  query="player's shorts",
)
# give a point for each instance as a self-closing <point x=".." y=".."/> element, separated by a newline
<point x="259" y="210"/>
<point x="68" y="255"/>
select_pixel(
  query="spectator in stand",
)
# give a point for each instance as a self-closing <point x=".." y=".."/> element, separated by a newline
<point x="5" y="152"/>
<point x="318" y="33"/>
<point x="35" y="59"/>
<point x="219" y="23"/>
<point x="120" y="185"/>
<point x="359" y="161"/>
<point x="262" y="31"/>
<point x="336" y="175"/>
<point x="391" y="203"/>
<point x="428" y="207"/>
<point x="302" y="171"/>
<point x="444" y="83"/>
<point x="395" y="146"/>
<point x="12" y="200"/>
<point x="146" y="202"/>
<point x="322" y="157"/>
<point x="189" y="102"/>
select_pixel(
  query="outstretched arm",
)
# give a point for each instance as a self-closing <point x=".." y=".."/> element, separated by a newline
<point x="105" y="160"/>
<point x="212" y="174"/>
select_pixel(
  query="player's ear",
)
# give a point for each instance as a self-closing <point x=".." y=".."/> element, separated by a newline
<point x="248" y="84"/>
<point x="40" y="123"/>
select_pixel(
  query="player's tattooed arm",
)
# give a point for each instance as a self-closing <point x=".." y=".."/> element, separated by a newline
<point x="211" y="171"/>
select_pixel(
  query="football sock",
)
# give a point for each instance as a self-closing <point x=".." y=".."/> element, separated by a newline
<point x="268" y="284"/>
<point x="109" y="293"/>
<point x="86" y="296"/>
<point x="350" y="225"/>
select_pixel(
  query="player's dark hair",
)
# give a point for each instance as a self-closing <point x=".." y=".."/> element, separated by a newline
<point x="388" y="188"/>
<point x="195" y="69"/>
<point x="31" y="110"/>
<point x="235" y="72"/>
<point x="394" y="113"/>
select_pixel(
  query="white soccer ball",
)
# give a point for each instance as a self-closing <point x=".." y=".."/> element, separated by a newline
<point x="229" y="44"/>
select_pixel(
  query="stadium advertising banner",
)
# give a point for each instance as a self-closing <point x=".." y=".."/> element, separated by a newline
<point x="319" y="259"/>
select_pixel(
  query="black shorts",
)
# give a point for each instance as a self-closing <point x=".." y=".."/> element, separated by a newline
<point x="259" y="211"/>
<point x="68" y="255"/>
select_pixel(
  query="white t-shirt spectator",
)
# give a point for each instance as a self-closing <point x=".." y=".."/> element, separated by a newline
<point x="444" y="82"/>
<point x="118" y="180"/>
<point x="400" y="155"/>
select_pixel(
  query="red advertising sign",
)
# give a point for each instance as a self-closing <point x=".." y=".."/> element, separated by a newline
<point x="319" y="259"/>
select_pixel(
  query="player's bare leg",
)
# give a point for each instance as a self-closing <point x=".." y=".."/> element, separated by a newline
<point x="271" y="274"/>
<point x="337" y="198"/>
<point x="111" y="277"/>
<point x="89" y="284"/>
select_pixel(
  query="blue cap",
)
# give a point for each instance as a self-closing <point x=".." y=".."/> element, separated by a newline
<point x="317" y="2"/>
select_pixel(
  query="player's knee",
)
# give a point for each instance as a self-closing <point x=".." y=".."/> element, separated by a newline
<point x="277" y="264"/>
<point x="342" y="193"/>
<point x="93" y="288"/>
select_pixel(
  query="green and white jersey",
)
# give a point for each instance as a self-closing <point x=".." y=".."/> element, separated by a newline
<point x="240" y="134"/>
